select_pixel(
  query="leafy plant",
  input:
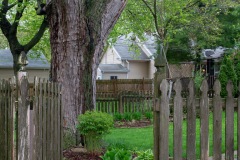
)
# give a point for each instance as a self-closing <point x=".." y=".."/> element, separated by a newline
<point x="148" y="115"/>
<point x="144" y="155"/>
<point x="117" y="154"/>
<point x="227" y="72"/>
<point x="117" y="117"/>
<point x="137" y="116"/>
<point x="94" y="125"/>
<point x="127" y="116"/>
<point x="198" y="78"/>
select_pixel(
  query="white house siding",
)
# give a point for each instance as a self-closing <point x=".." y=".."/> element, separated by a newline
<point x="111" y="57"/>
<point x="8" y="73"/>
<point x="138" y="70"/>
<point x="119" y="75"/>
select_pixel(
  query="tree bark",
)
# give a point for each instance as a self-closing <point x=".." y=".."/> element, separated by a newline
<point x="78" y="30"/>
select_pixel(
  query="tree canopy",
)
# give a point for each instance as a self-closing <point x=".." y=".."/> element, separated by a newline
<point x="180" y="26"/>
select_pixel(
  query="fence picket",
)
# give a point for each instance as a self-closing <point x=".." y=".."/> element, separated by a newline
<point x="191" y="122"/>
<point x="164" y="121"/>
<point x="48" y="121"/>
<point x="44" y="119"/>
<point x="36" y="137"/>
<point x="40" y="119"/>
<point x="178" y="116"/>
<point x="61" y="109"/>
<point x="53" y="150"/>
<point x="229" y="122"/>
<point x="204" y="120"/>
<point x="5" y="116"/>
<point x="2" y="124"/>
<point x="217" y="121"/>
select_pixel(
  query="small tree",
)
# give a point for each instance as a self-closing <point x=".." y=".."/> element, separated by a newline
<point x="227" y="72"/>
<point x="94" y="125"/>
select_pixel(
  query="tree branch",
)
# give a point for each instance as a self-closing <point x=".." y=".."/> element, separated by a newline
<point x="150" y="9"/>
<point x="4" y="23"/>
<point x="37" y="36"/>
<point x="154" y="14"/>
<point x="11" y="6"/>
<point x="17" y="17"/>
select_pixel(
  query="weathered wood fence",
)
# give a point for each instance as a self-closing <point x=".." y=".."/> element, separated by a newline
<point x="37" y="115"/>
<point x="127" y="101"/>
<point x="161" y="122"/>
<point x="119" y="85"/>
<point x="6" y="120"/>
<point x="130" y="95"/>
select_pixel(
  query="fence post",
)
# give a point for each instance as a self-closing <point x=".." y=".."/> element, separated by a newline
<point x="22" y="111"/>
<point x="159" y="75"/>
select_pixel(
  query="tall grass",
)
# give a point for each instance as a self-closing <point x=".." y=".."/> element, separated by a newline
<point x="142" y="138"/>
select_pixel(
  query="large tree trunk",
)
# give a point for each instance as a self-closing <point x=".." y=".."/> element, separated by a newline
<point x="78" y="30"/>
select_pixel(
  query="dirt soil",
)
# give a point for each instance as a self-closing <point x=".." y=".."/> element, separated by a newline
<point x="82" y="154"/>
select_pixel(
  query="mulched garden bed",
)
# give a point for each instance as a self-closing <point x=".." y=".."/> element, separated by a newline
<point x="82" y="154"/>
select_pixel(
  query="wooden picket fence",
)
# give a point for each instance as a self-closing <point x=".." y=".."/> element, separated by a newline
<point x="161" y="122"/>
<point x="37" y="114"/>
<point x="6" y="120"/>
<point x="127" y="101"/>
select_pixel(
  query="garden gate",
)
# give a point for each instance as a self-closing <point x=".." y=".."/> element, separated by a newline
<point x="37" y="117"/>
<point x="192" y="104"/>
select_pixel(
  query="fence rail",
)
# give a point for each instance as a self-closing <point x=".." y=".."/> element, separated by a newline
<point x="161" y="122"/>
<point x="120" y="85"/>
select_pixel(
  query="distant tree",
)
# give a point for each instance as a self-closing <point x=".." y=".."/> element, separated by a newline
<point x="227" y="72"/>
<point x="230" y="24"/>
<point x="174" y="23"/>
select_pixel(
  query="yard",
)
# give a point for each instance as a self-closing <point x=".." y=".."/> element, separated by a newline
<point x="142" y="138"/>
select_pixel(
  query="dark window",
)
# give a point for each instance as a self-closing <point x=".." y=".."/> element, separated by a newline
<point x="113" y="77"/>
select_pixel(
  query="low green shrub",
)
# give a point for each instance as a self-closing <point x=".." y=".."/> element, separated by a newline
<point x="137" y="116"/>
<point x="93" y="126"/>
<point x="148" y="115"/>
<point x="144" y="155"/>
<point x="127" y="116"/>
<point x="117" y="154"/>
<point x="117" y="116"/>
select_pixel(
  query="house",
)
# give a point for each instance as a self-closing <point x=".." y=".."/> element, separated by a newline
<point x="129" y="58"/>
<point x="126" y="60"/>
<point x="36" y="66"/>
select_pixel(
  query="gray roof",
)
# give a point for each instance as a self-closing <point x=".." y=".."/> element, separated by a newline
<point x="123" y="48"/>
<point x="113" y="68"/>
<point x="6" y="61"/>
<point x="151" y="44"/>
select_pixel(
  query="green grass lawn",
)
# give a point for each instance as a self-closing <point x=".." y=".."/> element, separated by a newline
<point x="142" y="138"/>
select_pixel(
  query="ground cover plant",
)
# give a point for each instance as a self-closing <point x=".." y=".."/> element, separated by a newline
<point x="141" y="139"/>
